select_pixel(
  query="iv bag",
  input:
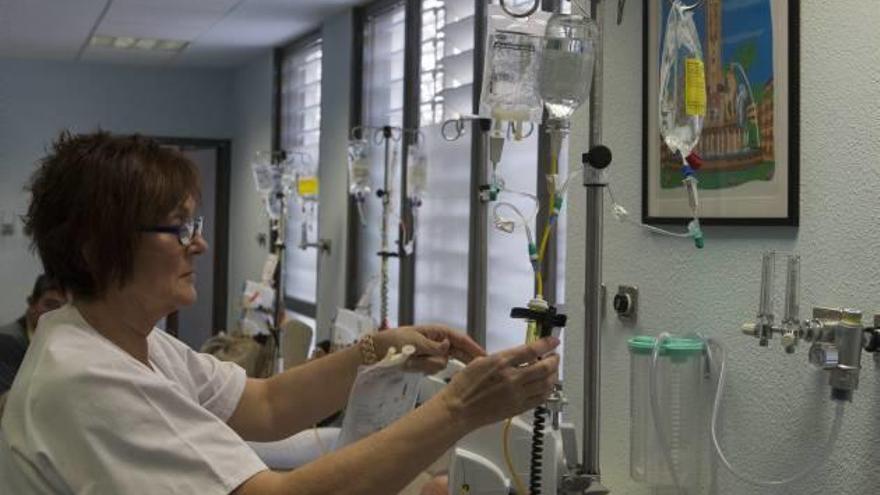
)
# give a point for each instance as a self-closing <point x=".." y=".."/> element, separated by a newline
<point x="417" y="175"/>
<point x="264" y="176"/>
<point x="358" y="169"/>
<point x="682" y="98"/>
<point x="270" y="180"/>
<point x="307" y="187"/>
<point x="510" y="77"/>
<point x="566" y="72"/>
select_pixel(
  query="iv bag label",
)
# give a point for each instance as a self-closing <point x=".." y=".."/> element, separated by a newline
<point x="694" y="87"/>
<point x="307" y="186"/>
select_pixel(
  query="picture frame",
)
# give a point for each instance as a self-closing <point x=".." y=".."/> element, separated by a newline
<point x="751" y="135"/>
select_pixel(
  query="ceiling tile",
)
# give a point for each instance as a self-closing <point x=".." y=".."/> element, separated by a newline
<point x="46" y="28"/>
<point x="222" y="32"/>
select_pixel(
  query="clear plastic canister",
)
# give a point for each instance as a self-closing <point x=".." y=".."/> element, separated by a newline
<point x="680" y="393"/>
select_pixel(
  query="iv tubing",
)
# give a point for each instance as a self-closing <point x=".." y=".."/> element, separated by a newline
<point x="810" y="466"/>
<point x="520" y="486"/>
<point x="621" y="214"/>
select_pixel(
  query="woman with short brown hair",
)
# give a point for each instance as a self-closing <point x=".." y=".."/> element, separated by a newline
<point x="106" y="403"/>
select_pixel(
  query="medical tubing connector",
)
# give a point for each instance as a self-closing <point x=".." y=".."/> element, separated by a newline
<point x="496" y="149"/>
<point x="691" y="185"/>
<point x="716" y="407"/>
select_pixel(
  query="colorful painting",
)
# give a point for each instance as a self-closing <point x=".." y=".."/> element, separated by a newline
<point x="749" y="138"/>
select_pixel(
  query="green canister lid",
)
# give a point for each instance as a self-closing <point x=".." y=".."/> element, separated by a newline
<point x="675" y="347"/>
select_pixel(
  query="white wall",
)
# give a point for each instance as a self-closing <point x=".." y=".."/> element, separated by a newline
<point x="252" y="127"/>
<point x="336" y="74"/>
<point x="777" y="407"/>
<point x="39" y="99"/>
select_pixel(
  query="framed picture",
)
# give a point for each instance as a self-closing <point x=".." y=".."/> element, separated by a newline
<point x="750" y="137"/>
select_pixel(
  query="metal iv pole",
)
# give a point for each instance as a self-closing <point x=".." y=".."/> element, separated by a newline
<point x="595" y="183"/>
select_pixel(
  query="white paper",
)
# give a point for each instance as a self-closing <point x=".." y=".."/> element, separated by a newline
<point x="381" y="394"/>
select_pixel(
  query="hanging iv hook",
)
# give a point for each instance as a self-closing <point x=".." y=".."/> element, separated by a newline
<point x="696" y="5"/>
<point x="379" y="135"/>
<point x="419" y="135"/>
<point x="520" y="15"/>
<point x="353" y="135"/>
<point x="457" y="126"/>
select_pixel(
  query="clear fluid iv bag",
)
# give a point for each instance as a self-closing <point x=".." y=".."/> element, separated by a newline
<point x="510" y="78"/>
<point x="417" y="173"/>
<point x="682" y="98"/>
<point x="273" y="180"/>
<point x="307" y="190"/>
<point x="566" y="72"/>
<point x="359" y="184"/>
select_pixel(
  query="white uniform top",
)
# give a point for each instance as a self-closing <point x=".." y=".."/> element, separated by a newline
<point x="85" y="417"/>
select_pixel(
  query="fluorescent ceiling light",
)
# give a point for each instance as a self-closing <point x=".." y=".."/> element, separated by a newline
<point x="145" y="44"/>
<point x="102" y="41"/>
<point x="123" y="42"/>
<point x="171" y="45"/>
<point x="131" y="43"/>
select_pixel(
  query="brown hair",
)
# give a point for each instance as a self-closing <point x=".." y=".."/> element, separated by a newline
<point x="42" y="285"/>
<point x="89" y="197"/>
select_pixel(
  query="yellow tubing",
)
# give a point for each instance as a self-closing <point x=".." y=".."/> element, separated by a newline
<point x="520" y="486"/>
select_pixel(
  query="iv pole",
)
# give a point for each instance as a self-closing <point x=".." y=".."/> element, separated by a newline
<point x="386" y="209"/>
<point x="279" y="231"/>
<point x="595" y="183"/>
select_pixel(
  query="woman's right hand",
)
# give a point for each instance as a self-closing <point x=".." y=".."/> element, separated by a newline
<point x="502" y="385"/>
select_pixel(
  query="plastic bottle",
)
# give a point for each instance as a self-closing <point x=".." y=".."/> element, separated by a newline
<point x="566" y="72"/>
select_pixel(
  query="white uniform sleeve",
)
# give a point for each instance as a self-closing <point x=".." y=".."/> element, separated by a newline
<point x="138" y="432"/>
<point x="219" y="384"/>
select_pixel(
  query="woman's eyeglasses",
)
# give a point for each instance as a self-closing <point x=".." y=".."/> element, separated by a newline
<point x="185" y="232"/>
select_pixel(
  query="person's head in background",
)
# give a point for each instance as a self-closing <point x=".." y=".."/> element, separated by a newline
<point x="47" y="294"/>
<point x="113" y="219"/>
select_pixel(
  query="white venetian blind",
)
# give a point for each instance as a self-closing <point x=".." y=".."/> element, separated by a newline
<point x="300" y="130"/>
<point x="443" y="221"/>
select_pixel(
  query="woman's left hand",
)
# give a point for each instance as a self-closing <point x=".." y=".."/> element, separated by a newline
<point x="434" y="344"/>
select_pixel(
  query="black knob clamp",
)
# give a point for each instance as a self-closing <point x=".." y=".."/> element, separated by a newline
<point x="546" y="320"/>
<point x="598" y="157"/>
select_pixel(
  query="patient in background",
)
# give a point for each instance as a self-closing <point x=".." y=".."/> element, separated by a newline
<point x="15" y="337"/>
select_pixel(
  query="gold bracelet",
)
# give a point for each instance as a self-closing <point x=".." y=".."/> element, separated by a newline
<point x="368" y="350"/>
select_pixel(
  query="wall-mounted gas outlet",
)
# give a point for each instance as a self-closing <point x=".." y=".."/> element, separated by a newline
<point x="626" y="302"/>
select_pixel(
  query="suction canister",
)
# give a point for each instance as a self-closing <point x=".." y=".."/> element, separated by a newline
<point x="669" y="417"/>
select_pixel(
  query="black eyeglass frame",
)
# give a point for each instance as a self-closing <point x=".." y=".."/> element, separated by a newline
<point x="185" y="232"/>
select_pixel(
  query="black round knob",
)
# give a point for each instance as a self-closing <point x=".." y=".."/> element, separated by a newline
<point x="622" y="303"/>
<point x="380" y="192"/>
<point x="598" y="157"/>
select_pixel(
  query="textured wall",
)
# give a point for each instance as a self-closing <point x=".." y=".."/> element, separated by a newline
<point x="777" y="408"/>
<point x="39" y="99"/>
<point x="252" y="108"/>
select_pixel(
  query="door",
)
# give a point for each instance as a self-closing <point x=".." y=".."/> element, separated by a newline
<point x="197" y="323"/>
